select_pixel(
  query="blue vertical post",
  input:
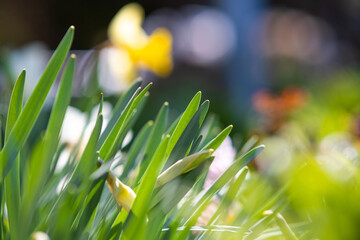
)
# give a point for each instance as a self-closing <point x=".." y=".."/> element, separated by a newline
<point x="245" y="71"/>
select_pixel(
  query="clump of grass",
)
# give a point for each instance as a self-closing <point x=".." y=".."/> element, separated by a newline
<point x="160" y="191"/>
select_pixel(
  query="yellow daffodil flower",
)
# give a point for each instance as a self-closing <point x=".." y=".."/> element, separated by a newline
<point x="135" y="48"/>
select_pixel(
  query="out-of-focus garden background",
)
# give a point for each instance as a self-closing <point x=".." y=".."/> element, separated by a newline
<point x="285" y="71"/>
<point x="231" y="49"/>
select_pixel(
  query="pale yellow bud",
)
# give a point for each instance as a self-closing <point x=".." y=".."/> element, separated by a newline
<point x="39" y="236"/>
<point x="122" y="193"/>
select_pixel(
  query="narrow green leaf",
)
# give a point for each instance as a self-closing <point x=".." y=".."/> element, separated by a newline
<point x="56" y="157"/>
<point x="90" y="206"/>
<point x="274" y="200"/>
<point x="120" y="219"/>
<point x="183" y="166"/>
<point x="188" y="136"/>
<point x="284" y="227"/>
<point x="110" y="144"/>
<point x="39" y="168"/>
<point x="166" y="197"/>
<point x="229" y="196"/>
<point x="129" y="122"/>
<point x="216" y="142"/>
<point x="136" y="148"/>
<point x="102" y="170"/>
<point x="88" y="159"/>
<point x="256" y="229"/>
<point x="210" y="130"/>
<point x="185" y="208"/>
<point x="27" y="209"/>
<point x="12" y="181"/>
<point x="275" y="232"/>
<point x="84" y="192"/>
<point x="56" y="119"/>
<point x="119" y="107"/>
<point x="230" y="172"/>
<point x="173" y="125"/>
<point x="249" y="144"/>
<point x="195" y="145"/>
<point x="2" y="210"/>
<point x="252" y="221"/>
<point x="29" y="114"/>
<point x="16" y="102"/>
<point x="184" y="120"/>
<point x="1" y="133"/>
<point x="143" y="197"/>
<point x="100" y="225"/>
<point x="154" y="138"/>
<point x="219" y="183"/>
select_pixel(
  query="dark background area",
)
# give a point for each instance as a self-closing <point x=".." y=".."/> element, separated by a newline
<point x="23" y="21"/>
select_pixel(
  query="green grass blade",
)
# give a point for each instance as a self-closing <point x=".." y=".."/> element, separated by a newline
<point x="273" y="201"/>
<point x="256" y="229"/>
<point x="56" y="157"/>
<point x="130" y="121"/>
<point x="209" y="131"/>
<point x="229" y="196"/>
<point x="204" y="110"/>
<point x="88" y="214"/>
<point x="173" y="125"/>
<point x="101" y="226"/>
<point x="29" y="114"/>
<point x="81" y="190"/>
<point x="219" y="183"/>
<point x="184" y="120"/>
<point x="12" y="180"/>
<point x="40" y="167"/>
<point x="1" y="132"/>
<point x="141" y="203"/>
<point x="230" y="172"/>
<point x="110" y="144"/>
<point x="249" y="144"/>
<point x="119" y="107"/>
<point x="285" y="228"/>
<point x="61" y="103"/>
<point x="188" y="136"/>
<point x="168" y="196"/>
<point x="16" y="102"/>
<point x="183" y="166"/>
<point x="2" y="210"/>
<point x="136" y="148"/>
<point x="215" y="143"/>
<point x="27" y="208"/>
<point x="88" y="159"/>
<point x="195" y="145"/>
<point x="154" y="138"/>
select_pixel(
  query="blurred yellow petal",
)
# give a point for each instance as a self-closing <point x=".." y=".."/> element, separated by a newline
<point x="121" y="65"/>
<point x="122" y="193"/>
<point x="125" y="28"/>
<point x="150" y="52"/>
<point x="156" y="55"/>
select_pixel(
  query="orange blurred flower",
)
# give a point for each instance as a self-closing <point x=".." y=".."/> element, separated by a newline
<point x="276" y="107"/>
